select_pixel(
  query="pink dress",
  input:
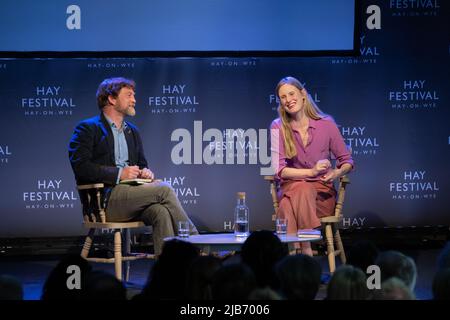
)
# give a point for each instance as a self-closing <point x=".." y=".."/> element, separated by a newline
<point x="304" y="201"/>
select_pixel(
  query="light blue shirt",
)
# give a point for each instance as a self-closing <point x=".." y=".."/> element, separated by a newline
<point x="120" y="146"/>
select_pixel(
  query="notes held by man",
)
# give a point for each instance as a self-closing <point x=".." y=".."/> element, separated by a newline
<point x="136" y="181"/>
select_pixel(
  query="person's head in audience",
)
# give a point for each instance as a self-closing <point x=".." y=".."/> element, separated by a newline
<point x="200" y="277"/>
<point x="393" y="289"/>
<point x="67" y="280"/>
<point x="441" y="285"/>
<point x="167" y="280"/>
<point x="396" y="264"/>
<point x="444" y="257"/>
<point x="299" y="277"/>
<point x="348" y="283"/>
<point x="104" y="286"/>
<point x="10" y="288"/>
<point x="261" y="251"/>
<point x="233" y="282"/>
<point x="265" y="293"/>
<point x="362" y="254"/>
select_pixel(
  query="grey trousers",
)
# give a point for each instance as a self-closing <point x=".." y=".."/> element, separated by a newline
<point x="155" y="204"/>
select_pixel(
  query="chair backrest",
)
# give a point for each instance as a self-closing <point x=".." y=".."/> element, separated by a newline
<point x="91" y="197"/>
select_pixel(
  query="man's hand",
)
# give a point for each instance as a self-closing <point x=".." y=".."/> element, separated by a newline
<point x="146" y="174"/>
<point x="131" y="172"/>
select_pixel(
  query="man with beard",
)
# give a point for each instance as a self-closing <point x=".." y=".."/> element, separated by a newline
<point x="107" y="149"/>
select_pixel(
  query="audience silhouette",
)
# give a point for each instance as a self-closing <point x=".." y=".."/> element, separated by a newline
<point x="299" y="276"/>
<point x="200" y="275"/>
<point x="56" y="286"/>
<point x="348" y="283"/>
<point x="168" y="277"/>
<point x="233" y="282"/>
<point x="10" y="288"/>
<point x="396" y="264"/>
<point x="262" y="271"/>
<point x="261" y="251"/>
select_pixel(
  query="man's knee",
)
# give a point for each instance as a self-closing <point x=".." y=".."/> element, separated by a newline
<point x="165" y="188"/>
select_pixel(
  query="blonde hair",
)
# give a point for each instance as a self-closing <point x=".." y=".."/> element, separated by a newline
<point x="311" y="110"/>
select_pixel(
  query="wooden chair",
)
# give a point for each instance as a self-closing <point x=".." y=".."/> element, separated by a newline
<point x="94" y="218"/>
<point x="329" y="224"/>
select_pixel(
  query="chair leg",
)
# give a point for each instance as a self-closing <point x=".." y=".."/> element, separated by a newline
<point x="339" y="245"/>
<point x="127" y="251"/>
<point x="292" y="249"/>
<point x="330" y="247"/>
<point x="118" y="254"/>
<point x="87" y="243"/>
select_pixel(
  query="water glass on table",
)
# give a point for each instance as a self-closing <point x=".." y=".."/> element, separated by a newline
<point x="281" y="226"/>
<point x="183" y="229"/>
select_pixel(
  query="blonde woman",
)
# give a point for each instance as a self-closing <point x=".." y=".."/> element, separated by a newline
<point x="302" y="143"/>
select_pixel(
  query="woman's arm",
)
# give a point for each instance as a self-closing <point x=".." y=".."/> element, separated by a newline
<point x="321" y="166"/>
<point x="336" y="173"/>
<point x="294" y="173"/>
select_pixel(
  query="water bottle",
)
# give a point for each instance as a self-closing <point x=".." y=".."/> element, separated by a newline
<point x="241" y="215"/>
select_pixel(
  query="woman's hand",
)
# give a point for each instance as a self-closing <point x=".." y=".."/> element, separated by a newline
<point x="321" y="167"/>
<point x="329" y="176"/>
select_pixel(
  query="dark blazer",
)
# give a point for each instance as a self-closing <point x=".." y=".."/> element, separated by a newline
<point x="91" y="151"/>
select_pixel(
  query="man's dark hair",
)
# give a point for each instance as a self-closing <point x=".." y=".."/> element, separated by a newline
<point x="112" y="87"/>
<point x="55" y="286"/>
<point x="168" y="276"/>
<point x="396" y="264"/>
<point x="233" y="282"/>
<point x="299" y="277"/>
<point x="261" y="251"/>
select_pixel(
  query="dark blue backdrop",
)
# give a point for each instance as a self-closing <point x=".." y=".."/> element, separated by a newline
<point x="391" y="103"/>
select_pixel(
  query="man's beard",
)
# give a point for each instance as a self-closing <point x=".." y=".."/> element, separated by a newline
<point x="130" y="111"/>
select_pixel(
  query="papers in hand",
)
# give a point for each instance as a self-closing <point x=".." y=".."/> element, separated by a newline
<point x="308" y="233"/>
<point x="136" y="182"/>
